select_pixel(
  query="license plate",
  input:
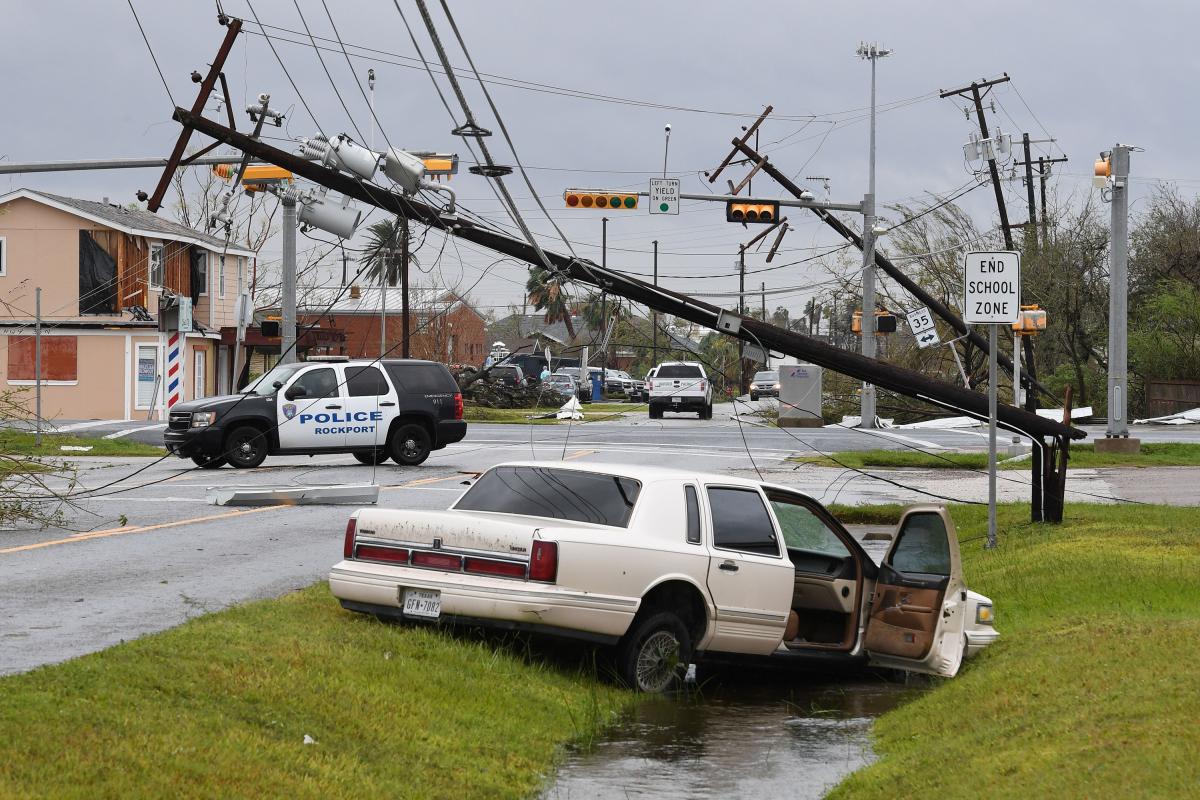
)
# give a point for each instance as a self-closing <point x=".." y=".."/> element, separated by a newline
<point x="422" y="603"/>
<point x="676" y="399"/>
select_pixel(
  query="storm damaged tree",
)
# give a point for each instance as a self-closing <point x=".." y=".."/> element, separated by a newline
<point x="34" y="490"/>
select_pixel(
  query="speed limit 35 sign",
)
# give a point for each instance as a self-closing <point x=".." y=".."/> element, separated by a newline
<point x="992" y="287"/>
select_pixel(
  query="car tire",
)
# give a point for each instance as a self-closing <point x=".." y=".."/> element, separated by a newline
<point x="246" y="447"/>
<point x="654" y="654"/>
<point x="706" y="412"/>
<point x="410" y="445"/>
<point x="372" y="457"/>
<point x="655" y="413"/>
<point x="208" y="462"/>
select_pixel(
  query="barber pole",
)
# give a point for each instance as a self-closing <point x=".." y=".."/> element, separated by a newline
<point x="174" y="369"/>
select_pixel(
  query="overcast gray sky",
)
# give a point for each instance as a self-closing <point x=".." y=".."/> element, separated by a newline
<point x="79" y="83"/>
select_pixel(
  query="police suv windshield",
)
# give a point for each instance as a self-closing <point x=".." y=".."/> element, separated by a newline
<point x="265" y="386"/>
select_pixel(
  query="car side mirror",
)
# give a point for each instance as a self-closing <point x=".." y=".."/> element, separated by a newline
<point x="296" y="391"/>
<point x="278" y="384"/>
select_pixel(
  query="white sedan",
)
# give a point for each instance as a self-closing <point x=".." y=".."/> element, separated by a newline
<point x="668" y="566"/>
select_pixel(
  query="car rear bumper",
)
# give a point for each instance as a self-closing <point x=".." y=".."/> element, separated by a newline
<point x="679" y="403"/>
<point x="500" y="602"/>
<point x="450" y="431"/>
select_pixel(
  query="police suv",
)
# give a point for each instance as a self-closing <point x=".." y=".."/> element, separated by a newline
<point x="375" y="410"/>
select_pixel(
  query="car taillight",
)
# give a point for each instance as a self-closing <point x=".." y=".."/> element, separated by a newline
<point x="392" y="554"/>
<point x="348" y="544"/>
<point x="458" y="405"/>
<point x="437" y="561"/>
<point x="703" y="385"/>
<point x="543" y="561"/>
<point x="649" y="386"/>
<point x="486" y="566"/>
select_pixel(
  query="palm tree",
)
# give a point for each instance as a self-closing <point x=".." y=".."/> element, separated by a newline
<point x="547" y="291"/>
<point x="381" y="252"/>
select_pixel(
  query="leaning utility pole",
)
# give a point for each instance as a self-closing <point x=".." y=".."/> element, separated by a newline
<point x="404" y="303"/>
<point x="654" y="314"/>
<point x="872" y="52"/>
<point x="743" y="386"/>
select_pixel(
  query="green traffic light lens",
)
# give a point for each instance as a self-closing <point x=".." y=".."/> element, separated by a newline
<point x="630" y="202"/>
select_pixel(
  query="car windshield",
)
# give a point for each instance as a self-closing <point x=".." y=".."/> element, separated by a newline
<point x="766" y="377"/>
<point x="265" y="386"/>
<point x="678" y="371"/>
<point x="554" y="493"/>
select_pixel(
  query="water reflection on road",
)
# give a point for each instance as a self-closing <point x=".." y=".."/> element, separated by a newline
<point x="738" y="737"/>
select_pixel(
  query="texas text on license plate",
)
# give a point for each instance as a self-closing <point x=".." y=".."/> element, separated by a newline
<point x="422" y="603"/>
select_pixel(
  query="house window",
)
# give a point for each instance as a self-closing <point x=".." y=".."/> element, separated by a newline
<point x="60" y="360"/>
<point x="3" y="257"/>
<point x="156" y="266"/>
<point x="202" y="274"/>
<point x="221" y="278"/>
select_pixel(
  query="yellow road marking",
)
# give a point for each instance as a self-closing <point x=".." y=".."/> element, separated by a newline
<point x="422" y="482"/>
<point x="83" y="537"/>
<point x="579" y="454"/>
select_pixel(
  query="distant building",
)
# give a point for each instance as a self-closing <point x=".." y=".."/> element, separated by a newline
<point x="443" y="326"/>
<point x="523" y="333"/>
<point x="102" y="269"/>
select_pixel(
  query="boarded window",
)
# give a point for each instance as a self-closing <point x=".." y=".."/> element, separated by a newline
<point x="59" y="358"/>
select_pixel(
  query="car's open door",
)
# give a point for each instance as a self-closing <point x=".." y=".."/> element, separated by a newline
<point x="918" y="613"/>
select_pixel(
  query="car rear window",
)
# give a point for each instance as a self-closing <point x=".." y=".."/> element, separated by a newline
<point x="422" y="378"/>
<point x="554" y="493"/>
<point x="679" y="371"/>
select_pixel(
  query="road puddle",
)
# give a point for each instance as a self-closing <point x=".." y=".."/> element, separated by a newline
<point x="739" y="736"/>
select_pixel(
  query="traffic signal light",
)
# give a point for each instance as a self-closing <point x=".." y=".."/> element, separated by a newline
<point x="1103" y="171"/>
<point x="583" y="198"/>
<point x="885" y="322"/>
<point x="752" y="212"/>
<point x="256" y="177"/>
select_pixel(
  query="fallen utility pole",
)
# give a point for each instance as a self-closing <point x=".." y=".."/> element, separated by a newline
<point x="897" y="379"/>
<point x="10" y="168"/>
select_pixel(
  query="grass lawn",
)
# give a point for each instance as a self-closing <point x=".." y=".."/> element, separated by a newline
<point x="22" y="443"/>
<point x="1093" y="689"/>
<point x="220" y="706"/>
<point x="1083" y="456"/>
<point x="520" y="416"/>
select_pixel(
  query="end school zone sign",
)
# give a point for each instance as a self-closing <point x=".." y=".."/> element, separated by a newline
<point x="992" y="288"/>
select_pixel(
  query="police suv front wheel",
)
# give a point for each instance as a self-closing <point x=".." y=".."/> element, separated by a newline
<point x="410" y="445"/>
<point x="246" y="447"/>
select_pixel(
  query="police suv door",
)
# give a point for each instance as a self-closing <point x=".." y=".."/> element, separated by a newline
<point x="311" y="410"/>
<point x="371" y="404"/>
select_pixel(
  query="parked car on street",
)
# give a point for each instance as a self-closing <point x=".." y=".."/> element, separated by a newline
<point x="680" y="386"/>
<point x="617" y="381"/>
<point x="582" y="380"/>
<point x="765" y="384"/>
<point x="643" y="387"/>
<point x="670" y="567"/>
<point x="375" y="410"/>
<point x="562" y="385"/>
<point x="508" y="374"/>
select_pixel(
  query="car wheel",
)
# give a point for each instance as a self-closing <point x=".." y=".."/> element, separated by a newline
<point x="372" y="457"/>
<point x="208" y="462"/>
<point x="654" y="655"/>
<point x="410" y="445"/>
<point x="655" y="413"/>
<point x="246" y="447"/>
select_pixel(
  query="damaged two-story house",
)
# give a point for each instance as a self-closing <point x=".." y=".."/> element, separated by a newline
<point x="101" y="269"/>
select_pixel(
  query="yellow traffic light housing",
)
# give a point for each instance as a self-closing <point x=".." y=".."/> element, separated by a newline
<point x="766" y="213"/>
<point x="1030" y="322"/>
<point x="1103" y="171"/>
<point x="591" y="198"/>
<point x="256" y="177"/>
<point x="885" y="322"/>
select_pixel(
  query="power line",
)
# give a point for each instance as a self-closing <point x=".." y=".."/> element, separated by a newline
<point x="153" y="57"/>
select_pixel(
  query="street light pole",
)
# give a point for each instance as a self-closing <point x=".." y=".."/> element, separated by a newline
<point x="872" y="52"/>
<point x="287" y="343"/>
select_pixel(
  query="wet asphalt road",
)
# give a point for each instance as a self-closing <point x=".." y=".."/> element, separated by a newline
<point x="141" y="549"/>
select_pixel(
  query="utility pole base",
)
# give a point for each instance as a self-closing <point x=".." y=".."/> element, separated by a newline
<point x="803" y="422"/>
<point x="1120" y="445"/>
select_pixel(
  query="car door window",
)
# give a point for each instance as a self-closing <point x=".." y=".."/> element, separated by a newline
<point x="804" y="530"/>
<point x="365" y="382"/>
<point x="740" y="521"/>
<point x="319" y="383"/>
<point x="922" y="546"/>
<point x="693" y="514"/>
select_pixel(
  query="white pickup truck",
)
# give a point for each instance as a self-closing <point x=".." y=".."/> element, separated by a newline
<point x="670" y="567"/>
<point x="680" y="386"/>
